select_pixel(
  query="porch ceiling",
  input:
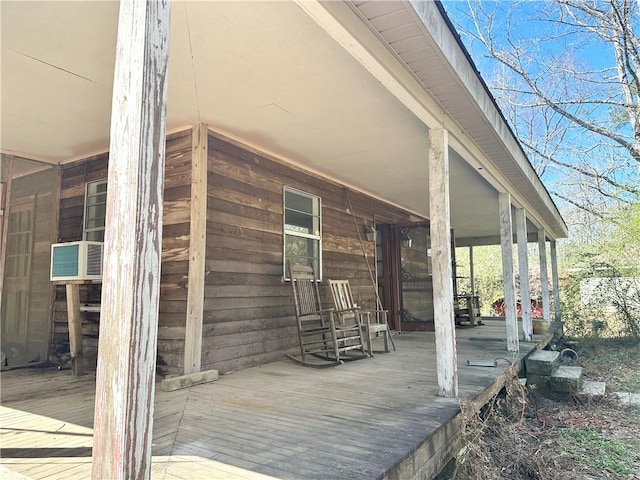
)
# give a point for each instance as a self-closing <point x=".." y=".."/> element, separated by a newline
<point x="264" y="73"/>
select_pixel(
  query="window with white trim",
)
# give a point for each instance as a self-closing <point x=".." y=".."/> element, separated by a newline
<point x="95" y="211"/>
<point x="302" y="230"/>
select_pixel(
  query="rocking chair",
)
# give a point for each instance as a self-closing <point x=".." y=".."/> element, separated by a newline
<point x="323" y="333"/>
<point x="343" y="301"/>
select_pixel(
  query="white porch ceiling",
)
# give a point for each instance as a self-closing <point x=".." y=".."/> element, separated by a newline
<point x="262" y="72"/>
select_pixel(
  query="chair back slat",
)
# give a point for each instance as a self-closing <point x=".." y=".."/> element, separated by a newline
<point x="341" y="292"/>
<point x="306" y="295"/>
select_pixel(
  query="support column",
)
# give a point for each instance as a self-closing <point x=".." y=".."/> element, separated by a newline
<point x="74" y="318"/>
<point x="439" y="210"/>
<point x="523" y="269"/>
<point x="472" y="277"/>
<point x="557" y="310"/>
<point x="544" y="275"/>
<point x="508" y="280"/>
<point x="197" y="247"/>
<point x="133" y="236"/>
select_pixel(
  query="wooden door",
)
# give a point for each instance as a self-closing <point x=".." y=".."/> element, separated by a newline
<point x="15" y="305"/>
<point x="386" y="255"/>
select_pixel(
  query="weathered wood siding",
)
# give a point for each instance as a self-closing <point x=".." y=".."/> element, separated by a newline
<point x="248" y="312"/>
<point x="175" y="248"/>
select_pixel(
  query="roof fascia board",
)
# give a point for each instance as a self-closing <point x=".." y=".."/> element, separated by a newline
<point x="532" y="237"/>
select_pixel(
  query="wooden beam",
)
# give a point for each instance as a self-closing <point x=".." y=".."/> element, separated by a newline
<point x="197" y="249"/>
<point x="74" y="318"/>
<point x="544" y="275"/>
<point x="439" y="210"/>
<point x="6" y="176"/>
<point x="523" y="269"/>
<point x="123" y="418"/>
<point x="557" y="309"/>
<point x="472" y="277"/>
<point x="508" y="280"/>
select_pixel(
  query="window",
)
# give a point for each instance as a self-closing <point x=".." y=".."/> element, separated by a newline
<point x="302" y="230"/>
<point x="95" y="211"/>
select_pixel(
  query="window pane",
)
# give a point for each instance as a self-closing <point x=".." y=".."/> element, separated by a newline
<point x="300" y="222"/>
<point x="96" y="188"/>
<point x="95" y="211"/>
<point x="298" y="202"/>
<point x="97" y="199"/>
<point x="304" y="251"/>
<point x="95" y="236"/>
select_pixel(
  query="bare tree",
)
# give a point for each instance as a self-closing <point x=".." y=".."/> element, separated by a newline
<point x="565" y="73"/>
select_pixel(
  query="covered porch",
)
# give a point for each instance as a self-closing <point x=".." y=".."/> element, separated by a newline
<point x="377" y="418"/>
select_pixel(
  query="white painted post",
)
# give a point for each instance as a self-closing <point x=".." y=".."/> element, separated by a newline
<point x="557" y="310"/>
<point x="197" y="247"/>
<point x="544" y="275"/>
<point x="440" y="221"/>
<point x="506" y="242"/>
<point x="472" y="277"/>
<point x="123" y="417"/>
<point x="523" y="269"/>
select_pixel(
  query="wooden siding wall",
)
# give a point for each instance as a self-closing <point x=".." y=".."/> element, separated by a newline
<point x="175" y="249"/>
<point x="248" y="312"/>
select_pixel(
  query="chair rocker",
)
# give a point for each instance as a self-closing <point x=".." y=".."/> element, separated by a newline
<point x="374" y="322"/>
<point x="322" y="334"/>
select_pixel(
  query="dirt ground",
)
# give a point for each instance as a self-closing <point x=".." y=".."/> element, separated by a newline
<point x="525" y="434"/>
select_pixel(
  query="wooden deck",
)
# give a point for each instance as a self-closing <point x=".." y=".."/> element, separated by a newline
<point x="373" y="418"/>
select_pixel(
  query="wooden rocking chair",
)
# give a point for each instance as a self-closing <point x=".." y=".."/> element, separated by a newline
<point x="321" y="332"/>
<point x="374" y="322"/>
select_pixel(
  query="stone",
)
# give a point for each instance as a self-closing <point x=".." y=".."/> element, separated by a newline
<point x="593" y="389"/>
<point x="542" y="362"/>
<point x="628" y="398"/>
<point x="566" y="379"/>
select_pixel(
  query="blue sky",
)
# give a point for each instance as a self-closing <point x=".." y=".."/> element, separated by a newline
<point x="533" y="28"/>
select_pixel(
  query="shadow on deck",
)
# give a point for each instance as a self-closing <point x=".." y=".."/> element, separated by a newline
<point x="374" y="418"/>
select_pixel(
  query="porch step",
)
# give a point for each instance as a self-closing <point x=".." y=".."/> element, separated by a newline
<point x="566" y="379"/>
<point x="542" y="362"/>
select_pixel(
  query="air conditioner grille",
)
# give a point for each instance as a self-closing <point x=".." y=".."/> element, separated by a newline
<point x="94" y="259"/>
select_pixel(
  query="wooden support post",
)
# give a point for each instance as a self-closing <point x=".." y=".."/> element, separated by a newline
<point x="197" y="253"/>
<point x="523" y="269"/>
<point x="508" y="280"/>
<point x="439" y="209"/>
<point x="125" y="376"/>
<point x="6" y="175"/>
<point x="74" y="318"/>
<point x="557" y="310"/>
<point x="544" y="275"/>
<point x="472" y="277"/>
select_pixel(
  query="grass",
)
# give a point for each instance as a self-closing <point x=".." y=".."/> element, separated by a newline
<point x="523" y="434"/>
<point x="589" y="446"/>
<point x="614" y="360"/>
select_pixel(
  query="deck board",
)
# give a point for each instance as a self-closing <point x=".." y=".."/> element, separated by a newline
<point x="364" y="419"/>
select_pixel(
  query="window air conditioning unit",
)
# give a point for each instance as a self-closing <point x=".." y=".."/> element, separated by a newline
<point x="76" y="261"/>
